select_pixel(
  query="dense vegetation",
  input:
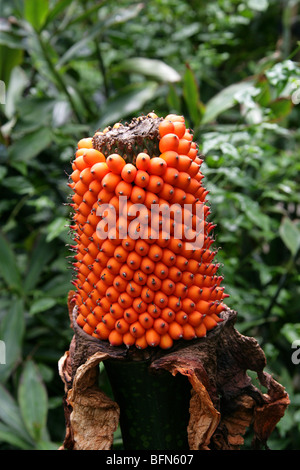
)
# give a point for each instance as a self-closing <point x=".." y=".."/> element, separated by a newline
<point x="69" y="67"/>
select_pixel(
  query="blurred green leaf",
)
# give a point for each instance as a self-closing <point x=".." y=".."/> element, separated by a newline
<point x="8" y="265"/>
<point x="30" y="145"/>
<point x="192" y="96"/>
<point x="12" y="426"/>
<point x="12" y="329"/>
<point x="56" y="228"/>
<point x="290" y="235"/>
<point x="40" y="256"/>
<point x="41" y="305"/>
<point x="223" y="101"/>
<point x="33" y="405"/>
<point x="36" y="12"/>
<point x="152" y="68"/>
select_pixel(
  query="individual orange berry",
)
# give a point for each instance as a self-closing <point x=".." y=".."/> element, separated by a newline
<point x="195" y="318"/>
<point x="141" y="342"/>
<point x="134" y="260"/>
<point x="125" y="300"/>
<point x="166" y="342"/>
<point x="88" y="329"/>
<point x="175" y="303"/>
<point x="188" y="331"/>
<point x="136" y="329"/>
<point x="154" y="310"/>
<point x="184" y="162"/>
<point x="167" y="286"/>
<point x="102" y="331"/>
<point x="203" y="307"/>
<point x="80" y="188"/>
<point x="99" y="170"/>
<point x="171" y="158"/>
<point x="146" y="320"/>
<point x="171" y="176"/>
<point x="180" y="290"/>
<point x="142" y="161"/>
<point x="166" y="192"/>
<point x="155" y="253"/>
<point x="120" y="283"/>
<point x="130" y="315"/>
<point x="161" y="270"/>
<point x="152" y="337"/>
<point x="104" y="196"/>
<point x="153" y="282"/>
<point x="141" y="179"/>
<point x="81" y="320"/>
<point x="168" y="257"/>
<point x="184" y="146"/>
<point x="110" y="181"/>
<point x="137" y="195"/>
<point x="175" y="117"/>
<point x="139" y="277"/>
<point x="175" y="330"/>
<point x="142" y="247"/>
<point x="161" y="299"/>
<point x="133" y="289"/>
<point x="128" y="339"/>
<point x="122" y="326"/>
<point x="123" y="189"/>
<point x="157" y="166"/>
<point x="181" y="317"/>
<point x="200" y="330"/>
<point x="116" y="311"/>
<point x="179" y="128"/>
<point x="139" y="305"/>
<point x="166" y="127"/>
<point x="115" y="338"/>
<point x="128" y="172"/>
<point x="112" y="294"/>
<point x="175" y="274"/>
<point x="160" y="326"/>
<point x="155" y="183"/>
<point x="167" y="314"/>
<point x="115" y="163"/>
<point x="109" y="321"/>
<point x="168" y="142"/>
<point x="147" y="265"/>
<point x="86" y="143"/>
<point x="92" y="156"/>
<point x="128" y="244"/>
<point x="126" y="272"/>
<point x="147" y="295"/>
<point x="209" y="322"/>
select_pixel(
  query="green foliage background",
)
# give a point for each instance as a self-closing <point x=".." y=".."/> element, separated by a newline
<point x="69" y="67"/>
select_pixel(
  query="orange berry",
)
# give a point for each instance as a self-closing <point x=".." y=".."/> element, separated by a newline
<point x="116" y="311"/>
<point x="123" y="189"/>
<point x="200" y="330"/>
<point x="166" y="342"/>
<point x="165" y="127"/>
<point x="92" y="156"/>
<point x="128" y="172"/>
<point x="126" y="272"/>
<point x="179" y="128"/>
<point x="167" y="314"/>
<point x="146" y="320"/>
<point x="171" y="176"/>
<point x="136" y="329"/>
<point x="133" y="289"/>
<point x="188" y="331"/>
<point x="184" y="162"/>
<point x="161" y="299"/>
<point x="157" y="166"/>
<point x="147" y="265"/>
<point x="160" y="326"/>
<point x="130" y="315"/>
<point x="109" y="321"/>
<point x="99" y="170"/>
<point x="134" y="260"/>
<point x="115" y="338"/>
<point x="184" y="146"/>
<point x="139" y="305"/>
<point x="152" y="337"/>
<point x="174" y="303"/>
<point x="140" y="278"/>
<point x="142" y="161"/>
<point x="195" y="318"/>
<point x="110" y="181"/>
<point x="128" y="339"/>
<point x="120" y="284"/>
<point x="137" y="195"/>
<point x="122" y="326"/>
<point x="181" y="317"/>
<point x="169" y="142"/>
<point x="115" y="163"/>
<point x="161" y="270"/>
<point x="209" y="322"/>
<point x="175" y="330"/>
<point x="102" y="331"/>
<point x="125" y="300"/>
<point x="147" y="295"/>
<point x="141" y="342"/>
<point x="141" y="179"/>
<point x="86" y="143"/>
<point x="155" y="184"/>
<point x="154" y="310"/>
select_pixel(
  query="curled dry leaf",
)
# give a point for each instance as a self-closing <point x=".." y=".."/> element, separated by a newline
<point x="224" y="402"/>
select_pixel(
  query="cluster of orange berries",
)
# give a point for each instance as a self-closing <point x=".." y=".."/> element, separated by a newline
<point x="147" y="290"/>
